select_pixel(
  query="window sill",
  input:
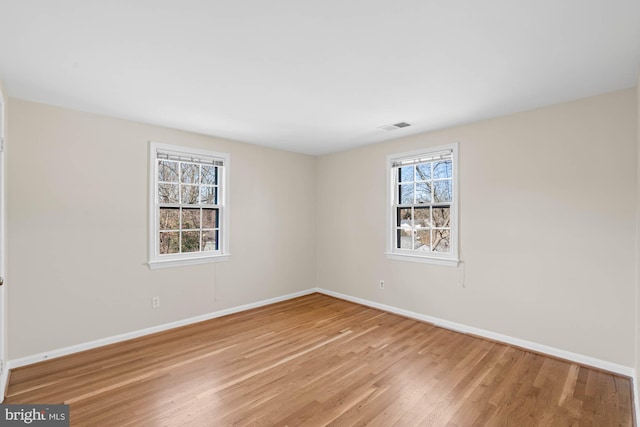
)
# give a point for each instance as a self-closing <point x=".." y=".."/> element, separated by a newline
<point x="187" y="261"/>
<point x="422" y="259"/>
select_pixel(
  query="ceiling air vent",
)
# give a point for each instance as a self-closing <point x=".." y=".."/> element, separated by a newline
<point x="395" y="126"/>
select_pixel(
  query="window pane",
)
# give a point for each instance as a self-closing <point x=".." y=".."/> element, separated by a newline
<point x="423" y="240"/>
<point x="209" y="174"/>
<point x="190" y="218"/>
<point x="406" y="194"/>
<point x="441" y="240"/>
<point x="168" y="193"/>
<point x="189" y="194"/>
<point x="208" y="195"/>
<point x="441" y="217"/>
<point x="190" y="173"/>
<point x="423" y="171"/>
<point x="169" y="242"/>
<point x="190" y="241"/>
<point x="442" y="169"/>
<point x="442" y="191"/>
<point x="210" y="240"/>
<point x="406" y="173"/>
<point x="423" y="192"/>
<point x="209" y="218"/>
<point x="167" y="171"/>
<point x="404" y="239"/>
<point x="169" y="218"/>
<point x="422" y="218"/>
<point x="404" y="217"/>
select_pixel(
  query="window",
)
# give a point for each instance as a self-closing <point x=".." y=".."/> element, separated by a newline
<point x="423" y="206"/>
<point x="189" y="210"/>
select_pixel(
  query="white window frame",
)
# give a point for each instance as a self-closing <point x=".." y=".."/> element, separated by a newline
<point x="448" y="259"/>
<point x="174" y="260"/>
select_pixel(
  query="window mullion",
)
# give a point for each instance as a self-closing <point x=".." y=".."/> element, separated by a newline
<point x="433" y="227"/>
<point x="413" y="227"/>
<point x="201" y="227"/>
<point x="180" y="233"/>
<point x="181" y="207"/>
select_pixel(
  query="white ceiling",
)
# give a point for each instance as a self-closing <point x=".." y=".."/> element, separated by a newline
<point x="315" y="76"/>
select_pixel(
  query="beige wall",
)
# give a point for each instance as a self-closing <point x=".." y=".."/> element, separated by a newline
<point x="77" y="229"/>
<point x="637" y="341"/>
<point x="547" y="213"/>
<point x="3" y="291"/>
<point x="547" y="228"/>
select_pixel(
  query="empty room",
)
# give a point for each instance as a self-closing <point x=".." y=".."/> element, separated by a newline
<point x="319" y="213"/>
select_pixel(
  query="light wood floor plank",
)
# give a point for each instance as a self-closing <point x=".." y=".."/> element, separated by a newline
<point x="317" y="360"/>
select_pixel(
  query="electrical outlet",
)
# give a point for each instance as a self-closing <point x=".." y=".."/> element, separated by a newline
<point x="381" y="284"/>
<point x="155" y="302"/>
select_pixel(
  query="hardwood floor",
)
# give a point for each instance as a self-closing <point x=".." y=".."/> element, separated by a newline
<point x="317" y="360"/>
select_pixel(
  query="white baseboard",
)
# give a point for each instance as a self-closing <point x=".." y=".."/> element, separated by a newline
<point x="636" y="397"/>
<point x="28" y="360"/>
<point x="459" y="327"/>
<point x="3" y="382"/>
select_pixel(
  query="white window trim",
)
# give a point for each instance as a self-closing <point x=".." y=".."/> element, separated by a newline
<point x="447" y="259"/>
<point x="223" y="254"/>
